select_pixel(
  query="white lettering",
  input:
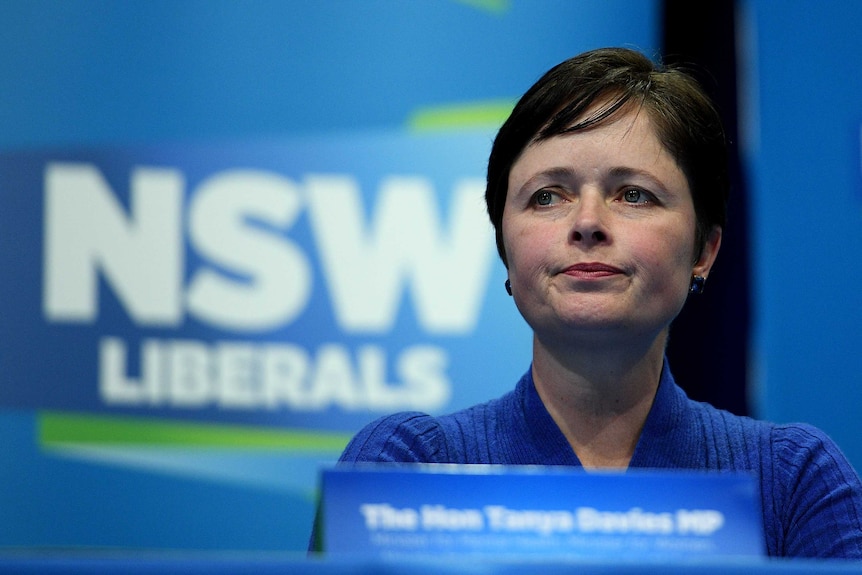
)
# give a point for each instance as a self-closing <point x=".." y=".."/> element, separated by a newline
<point x="366" y="266"/>
<point x="87" y="232"/>
<point x="116" y="387"/>
<point x="190" y="373"/>
<point x="633" y="521"/>
<point x="384" y="516"/>
<point x="246" y="275"/>
<point x="501" y="518"/>
<point x="239" y="368"/>
<point x="441" y="518"/>
<point x="699" y="521"/>
<point x="334" y="381"/>
<point x="422" y="368"/>
<point x="264" y="280"/>
<point x="245" y="376"/>
<point x="285" y="369"/>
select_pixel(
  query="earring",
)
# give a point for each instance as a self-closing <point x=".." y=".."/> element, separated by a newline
<point x="508" y="285"/>
<point x="697" y="284"/>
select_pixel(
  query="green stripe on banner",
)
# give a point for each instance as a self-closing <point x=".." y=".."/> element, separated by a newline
<point x="62" y="428"/>
<point x="478" y="114"/>
<point x="496" y="6"/>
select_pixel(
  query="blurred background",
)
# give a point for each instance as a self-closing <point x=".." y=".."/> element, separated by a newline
<point x="232" y="233"/>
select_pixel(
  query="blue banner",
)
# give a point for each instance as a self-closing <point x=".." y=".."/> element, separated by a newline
<point x="233" y="234"/>
<point x="307" y="283"/>
<point x="232" y="314"/>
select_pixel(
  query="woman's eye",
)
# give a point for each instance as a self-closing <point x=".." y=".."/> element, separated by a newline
<point x="634" y="196"/>
<point x="544" y="198"/>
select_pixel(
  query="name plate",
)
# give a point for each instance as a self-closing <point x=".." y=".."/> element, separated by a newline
<point x="405" y="511"/>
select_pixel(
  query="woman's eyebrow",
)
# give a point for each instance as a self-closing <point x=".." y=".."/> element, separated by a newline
<point x="628" y="172"/>
<point x="553" y="173"/>
<point x="556" y="173"/>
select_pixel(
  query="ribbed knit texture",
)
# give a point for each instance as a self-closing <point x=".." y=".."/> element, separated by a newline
<point x="811" y="496"/>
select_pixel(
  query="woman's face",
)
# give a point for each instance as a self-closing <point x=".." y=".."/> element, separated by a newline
<point x="599" y="231"/>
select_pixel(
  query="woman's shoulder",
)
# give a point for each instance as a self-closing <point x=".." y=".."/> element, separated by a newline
<point x="794" y="438"/>
<point x="786" y="455"/>
<point x="408" y="436"/>
<point x="803" y="449"/>
<point x="816" y="493"/>
<point x="415" y="437"/>
<point x="811" y="495"/>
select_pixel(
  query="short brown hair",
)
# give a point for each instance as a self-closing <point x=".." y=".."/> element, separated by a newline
<point x="687" y="124"/>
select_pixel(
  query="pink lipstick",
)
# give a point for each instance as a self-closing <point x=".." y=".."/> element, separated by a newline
<point x="592" y="270"/>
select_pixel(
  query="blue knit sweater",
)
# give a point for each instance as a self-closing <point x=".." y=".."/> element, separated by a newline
<point x="811" y="496"/>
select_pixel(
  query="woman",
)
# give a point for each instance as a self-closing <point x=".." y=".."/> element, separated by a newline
<point x="607" y="188"/>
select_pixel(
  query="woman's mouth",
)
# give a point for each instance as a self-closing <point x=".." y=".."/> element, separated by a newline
<point x="592" y="270"/>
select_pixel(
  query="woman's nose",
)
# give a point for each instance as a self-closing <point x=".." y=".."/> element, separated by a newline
<point x="590" y="219"/>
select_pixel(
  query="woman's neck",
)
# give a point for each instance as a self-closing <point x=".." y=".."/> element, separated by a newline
<point x="599" y="398"/>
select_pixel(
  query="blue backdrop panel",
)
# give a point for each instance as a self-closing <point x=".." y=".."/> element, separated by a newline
<point x="96" y="70"/>
<point x="804" y="118"/>
<point x="229" y="243"/>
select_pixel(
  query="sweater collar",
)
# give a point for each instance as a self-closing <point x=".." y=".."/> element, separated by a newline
<point x="547" y="441"/>
<point x="666" y="440"/>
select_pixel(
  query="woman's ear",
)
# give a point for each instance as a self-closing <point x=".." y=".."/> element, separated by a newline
<point x="708" y="253"/>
